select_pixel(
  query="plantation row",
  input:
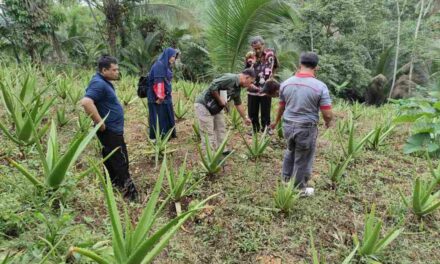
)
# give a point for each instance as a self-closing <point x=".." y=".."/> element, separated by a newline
<point x="30" y="102"/>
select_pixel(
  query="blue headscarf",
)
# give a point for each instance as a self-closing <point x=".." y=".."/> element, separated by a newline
<point x="163" y="69"/>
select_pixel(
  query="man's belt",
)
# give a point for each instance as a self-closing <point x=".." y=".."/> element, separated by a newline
<point x="300" y="123"/>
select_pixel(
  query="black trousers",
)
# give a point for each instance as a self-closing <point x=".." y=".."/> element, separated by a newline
<point x="117" y="164"/>
<point x="255" y="105"/>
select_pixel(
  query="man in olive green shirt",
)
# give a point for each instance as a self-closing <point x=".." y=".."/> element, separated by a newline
<point x="209" y="105"/>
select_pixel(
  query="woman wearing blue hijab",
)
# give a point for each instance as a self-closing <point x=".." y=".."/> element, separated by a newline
<point x="160" y="104"/>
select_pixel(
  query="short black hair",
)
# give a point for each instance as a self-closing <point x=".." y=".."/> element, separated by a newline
<point x="309" y="59"/>
<point x="105" y="62"/>
<point x="249" y="72"/>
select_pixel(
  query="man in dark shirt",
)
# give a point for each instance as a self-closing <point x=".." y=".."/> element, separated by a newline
<point x="264" y="62"/>
<point x="209" y="104"/>
<point x="99" y="101"/>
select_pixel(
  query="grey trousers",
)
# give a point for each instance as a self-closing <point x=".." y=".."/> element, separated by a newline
<point x="300" y="152"/>
<point x="212" y="125"/>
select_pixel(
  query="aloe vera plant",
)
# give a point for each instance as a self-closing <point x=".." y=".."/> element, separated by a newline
<point x="279" y="129"/>
<point x="372" y="245"/>
<point x="336" y="170"/>
<point x="286" y="197"/>
<point x="160" y="144"/>
<point x="317" y="260"/>
<point x="213" y="159"/>
<point x="180" y="109"/>
<point x="235" y="119"/>
<point x="424" y="199"/>
<point x="63" y="87"/>
<point x="196" y="129"/>
<point x="133" y="244"/>
<point x="354" y="147"/>
<point x="17" y="106"/>
<point x="258" y="145"/>
<point x="74" y="95"/>
<point x="180" y="184"/>
<point x="56" y="165"/>
<point x="83" y="121"/>
<point x="128" y="97"/>
<point x="62" y="119"/>
<point x="380" y="133"/>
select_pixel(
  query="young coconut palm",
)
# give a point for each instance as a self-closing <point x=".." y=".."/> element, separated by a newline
<point x="371" y="244"/>
<point x="139" y="243"/>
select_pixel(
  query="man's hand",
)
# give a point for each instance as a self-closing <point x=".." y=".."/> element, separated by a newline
<point x="247" y="121"/>
<point x="328" y="124"/>
<point x="159" y="101"/>
<point x="102" y="128"/>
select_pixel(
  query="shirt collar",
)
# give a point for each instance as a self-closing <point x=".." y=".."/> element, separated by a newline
<point x="104" y="79"/>
<point x="304" y="75"/>
<point x="237" y="81"/>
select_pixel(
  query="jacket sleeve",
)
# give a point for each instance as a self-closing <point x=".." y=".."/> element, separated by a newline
<point x="159" y="88"/>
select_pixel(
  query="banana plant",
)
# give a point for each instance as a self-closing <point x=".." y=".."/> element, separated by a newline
<point x="371" y="245"/>
<point x="180" y="184"/>
<point x="62" y="119"/>
<point x="55" y="164"/>
<point x="132" y="244"/>
<point x="258" y="145"/>
<point x="380" y="134"/>
<point x="159" y="145"/>
<point x="286" y="196"/>
<point x="213" y="160"/>
<point x="235" y="119"/>
<point x="337" y="170"/>
<point x="424" y="199"/>
<point x="180" y="109"/>
<point x="16" y="110"/>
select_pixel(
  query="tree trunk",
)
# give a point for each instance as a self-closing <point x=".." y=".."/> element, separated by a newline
<point x="419" y="20"/>
<point x="396" y="59"/>
<point x="57" y="47"/>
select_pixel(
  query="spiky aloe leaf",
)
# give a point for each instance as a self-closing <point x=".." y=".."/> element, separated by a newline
<point x="59" y="171"/>
<point x="31" y="177"/>
<point x="90" y="254"/>
<point x="117" y="233"/>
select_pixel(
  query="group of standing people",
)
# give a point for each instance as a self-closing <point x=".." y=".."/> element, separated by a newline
<point x="301" y="98"/>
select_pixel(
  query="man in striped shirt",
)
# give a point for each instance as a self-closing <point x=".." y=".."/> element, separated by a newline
<point x="301" y="98"/>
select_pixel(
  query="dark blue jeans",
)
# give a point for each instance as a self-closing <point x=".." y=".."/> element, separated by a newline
<point x="300" y="152"/>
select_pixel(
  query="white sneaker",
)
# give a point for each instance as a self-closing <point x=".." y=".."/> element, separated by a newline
<point x="307" y="192"/>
